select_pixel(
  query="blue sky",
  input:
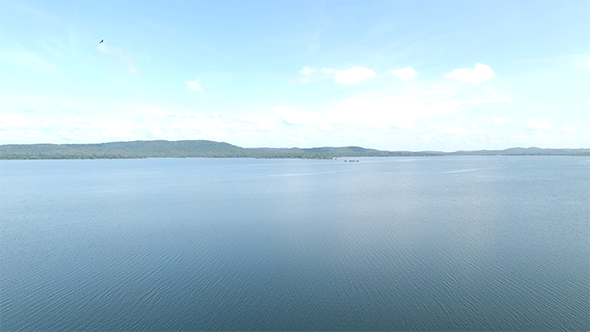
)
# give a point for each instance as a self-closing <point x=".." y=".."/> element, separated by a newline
<point x="396" y="75"/>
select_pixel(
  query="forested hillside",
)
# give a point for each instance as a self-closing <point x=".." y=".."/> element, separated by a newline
<point x="210" y="149"/>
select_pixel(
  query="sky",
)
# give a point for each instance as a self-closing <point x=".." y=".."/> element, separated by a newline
<point x="393" y="75"/>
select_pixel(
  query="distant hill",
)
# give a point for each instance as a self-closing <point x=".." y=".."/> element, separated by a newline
<point x="211" y="149"/>
<point x="135" y="149"/>
<point x="526" y="152"/>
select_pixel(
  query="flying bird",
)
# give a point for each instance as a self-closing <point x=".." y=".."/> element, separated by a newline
<point x="101" y="41"/>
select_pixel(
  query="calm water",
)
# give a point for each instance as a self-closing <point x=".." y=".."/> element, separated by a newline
<point x="449" y="243"/>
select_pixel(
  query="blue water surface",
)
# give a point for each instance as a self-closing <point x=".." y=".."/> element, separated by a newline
<point x="423" y="244"/>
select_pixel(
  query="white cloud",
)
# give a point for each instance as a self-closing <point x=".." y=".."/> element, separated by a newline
<point x="380" y="118"/>
<point x="13" y="120"/>
<point x="381" y="109"/>
<point x="433" y="126"/>
<point x="372" y="112"/>
<point x="454" y="130"/>
<point x="405" y="74"/>
<point x="569" y="129"/>
<point x="293" y="116"/>
<point x="381" y="112"/>
<point x="307" y="71"/>
<point x="500" y="120"/>
<point x="353" y="75"/>
<point x="308" y="74"/>
<point x="487" y="99"/>
<point x="404" y="123"/>
<point x="536" y="124"/>
<point x="477" y="75"/>
<point x="195" y="86"/>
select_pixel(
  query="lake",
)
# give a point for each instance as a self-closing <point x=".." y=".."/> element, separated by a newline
<point x="421" y="244"/>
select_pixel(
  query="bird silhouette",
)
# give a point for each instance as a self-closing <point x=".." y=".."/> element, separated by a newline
<point x="101" y="41"/>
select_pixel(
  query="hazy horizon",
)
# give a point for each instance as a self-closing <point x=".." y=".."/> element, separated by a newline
<point x="316" y="146"/>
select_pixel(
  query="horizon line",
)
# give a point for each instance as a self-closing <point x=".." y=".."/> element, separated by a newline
<point x="296" y="147"/>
